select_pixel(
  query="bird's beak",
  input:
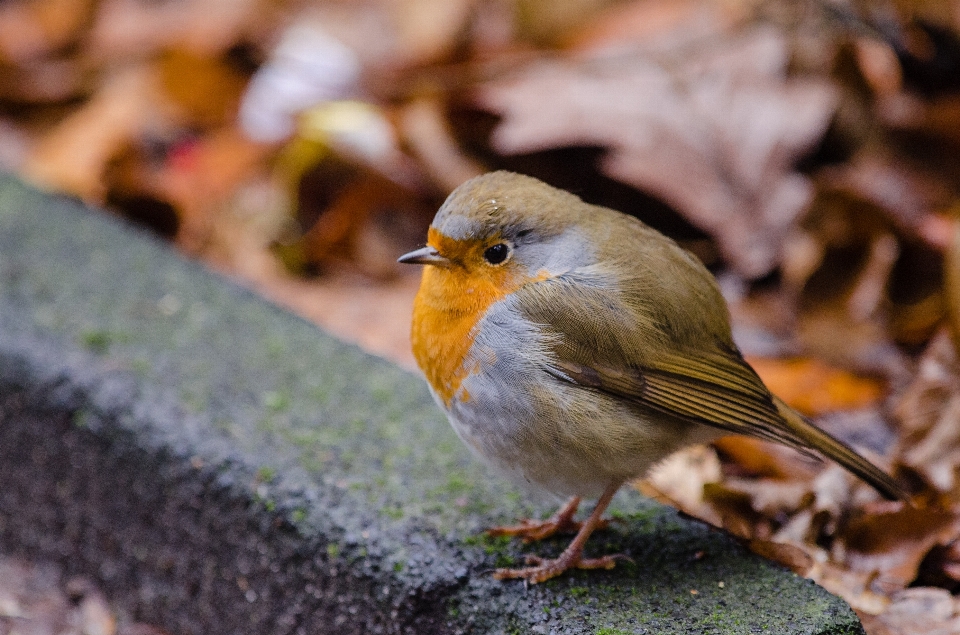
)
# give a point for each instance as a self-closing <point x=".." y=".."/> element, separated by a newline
<point x="425" y="256"/>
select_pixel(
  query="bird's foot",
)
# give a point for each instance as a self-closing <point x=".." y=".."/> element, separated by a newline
<point x="560" y="523"/>
<point x="532" y="530"/>
<point x="545" y="568"/>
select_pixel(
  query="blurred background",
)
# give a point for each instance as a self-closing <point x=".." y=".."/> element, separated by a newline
<point x="807" y="151"/>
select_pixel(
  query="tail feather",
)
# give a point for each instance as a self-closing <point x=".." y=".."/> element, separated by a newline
<point x="810" y="436"/>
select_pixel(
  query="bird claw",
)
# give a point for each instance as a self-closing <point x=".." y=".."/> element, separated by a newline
<point x="533" y="530"/>
<point x="543" y="569"/>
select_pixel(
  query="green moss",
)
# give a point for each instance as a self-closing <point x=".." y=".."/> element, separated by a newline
<point x="395" y="512"/>
<point x="82" y="418"/>
<point x="276" y="400"/>
<point x="140" y="366"/>
<point x="265" y="474"/>
<point x="381" y="395"/>
<point x="96" y="341"/>
<point x="490" y="544"/>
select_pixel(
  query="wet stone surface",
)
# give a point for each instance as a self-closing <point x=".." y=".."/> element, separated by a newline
<point x="218" y="465"/>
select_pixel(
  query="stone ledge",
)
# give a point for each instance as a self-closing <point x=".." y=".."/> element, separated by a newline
<point x="221" y="466"/>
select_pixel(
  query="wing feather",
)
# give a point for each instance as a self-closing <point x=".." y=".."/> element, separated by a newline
<point x="697" y="376"/>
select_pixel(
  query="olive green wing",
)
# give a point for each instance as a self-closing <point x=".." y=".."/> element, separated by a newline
<point x="725" y="393"/>
<point x="709" y="389"/>
<point x="697" y="376"/>
<point x="649" y="340"/>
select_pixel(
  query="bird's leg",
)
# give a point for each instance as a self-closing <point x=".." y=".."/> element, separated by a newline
<point x="532" y="530"/>
<point x="572" y="556"/>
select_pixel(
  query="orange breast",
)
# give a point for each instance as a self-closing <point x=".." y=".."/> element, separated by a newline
<point x="446" y="310"/>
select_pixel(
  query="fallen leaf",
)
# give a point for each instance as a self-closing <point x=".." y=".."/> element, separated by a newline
<point x="920" y="611"/>
<point x="951" y="279"/>
<point x="749" y="457"/>
<point x="132" y="28"/>
<point x="941" y="567"/>
<point x="426" y="131"/>
<point x="714" y="133"/>
<point x="36" y="28"/>
<point x="788" y="555"/>
<point x="96" y="616"/>
<point x="200" y="176"/>
<point x="73" y="155"/>
<point x="879" y="64"/>
<point x="735" y="509"/>
<point x="679" y="481"/>
<point x="853" y="586"/>
<point x="927" y="412"/>
<point x="656" y="23"/>
<point x="901" y="194"/>
<point x="430" y="29"/>
<point x="892" y="544"/>
<point x="814" y="387"/>
<point x="204" y="88"/>
<point x="549" y="22"/>
<point x="306" y="69"/>
<point x="45" y="81"/>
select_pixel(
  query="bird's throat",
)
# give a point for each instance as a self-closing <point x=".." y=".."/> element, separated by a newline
<point x="446" y="310"/>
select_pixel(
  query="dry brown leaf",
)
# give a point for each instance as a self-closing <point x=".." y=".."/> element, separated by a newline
<point x="893" y="543"/>
<point x="341" y="226"/>
<point x="941" y="567"/>
<point x="657" y="23"/>
<point x="862" y="278"/>
<point x="928" y="412"/>
<point x="774" y="498"/>
<point x="713" y="132"/>
<point x="426" y="131"/>
<point x="879" y="65"/>
<point x="548" y="22"/>
<point x="205" y="88"/>
<point x="735" y="509"/>
<point x="917" y="611"/>
<point x="49" y="80"/>
<point x="132" y="28"/>
<point x="939" y="117"/>
<point x="853" y="586"/>
<point x="199" y="177"/>
<point x="814" y="387"/>
<point x="951" y="280"/>
<point x="36" y="28"/>
<point x="902" y="195"/>
<point x="429" y="29"/>
<point x="73" y="155"/>
<point x="746" y="456"/>
<point x="790" y="556"/>
<point x="96" y="618"/>
<point x="678" y="481"/>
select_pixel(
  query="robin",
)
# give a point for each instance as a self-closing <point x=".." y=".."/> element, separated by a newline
<point x="573" y="347"/>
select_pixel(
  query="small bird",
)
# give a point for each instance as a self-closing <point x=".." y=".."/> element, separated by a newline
<point x="573" y="347"/>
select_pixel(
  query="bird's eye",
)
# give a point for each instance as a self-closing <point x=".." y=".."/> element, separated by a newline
<point x="496" y="253"/>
